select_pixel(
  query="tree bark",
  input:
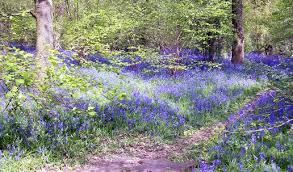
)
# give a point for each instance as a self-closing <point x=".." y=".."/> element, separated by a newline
<point x="237" y="21"/>
<point x="211" y="47"/>
<point x="44" y="17"/>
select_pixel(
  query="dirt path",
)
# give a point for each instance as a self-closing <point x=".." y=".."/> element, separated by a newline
<point x="146" y="155"/>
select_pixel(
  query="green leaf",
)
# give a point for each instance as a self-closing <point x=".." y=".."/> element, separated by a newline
<point x="19" y="81"/>
<point x="92" y="113"/>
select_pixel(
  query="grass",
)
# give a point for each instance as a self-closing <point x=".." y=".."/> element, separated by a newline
<point x="222" y="112"/>
<point x="26" y="163"/>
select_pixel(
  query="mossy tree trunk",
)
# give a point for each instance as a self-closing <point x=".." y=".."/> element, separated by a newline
<point x="44" y="18"/>
<point x="237" y="21"/>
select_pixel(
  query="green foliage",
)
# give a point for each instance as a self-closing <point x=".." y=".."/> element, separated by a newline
<point x="257" y="15"/>
<point x="281" y="25"/>
<point x="16" y="73"/>
<point x="23" y="28"/>
<point x="137" y="25"/>
<point x="118" y="25"/>
<point x="16" y="23"/>
<point x="30" y="112"/>
<point x="27" y="163"/>
<point x="269" y="23"/>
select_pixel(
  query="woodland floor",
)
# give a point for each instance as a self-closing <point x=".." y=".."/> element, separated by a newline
<point x="146" y="155"/>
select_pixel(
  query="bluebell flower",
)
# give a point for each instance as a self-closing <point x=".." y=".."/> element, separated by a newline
<point x="204" y="167"/>
<point x="278" y="145"/>
<point x="262" y="156"/>
<point x="216" y="162"/>
<point x="242" y="151"/>
<point x="290" y="168"/>
<point x="272" y="119"/>
<point x="131" y="122"/>
<point x="261" y="135"/>
<point x="240" y="164"/>
<point x="253" y="138"/>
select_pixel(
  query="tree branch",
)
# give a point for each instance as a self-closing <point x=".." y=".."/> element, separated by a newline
<point x="33" y="14"/>
<point x="20" y="14"/>
<point x="263" y="129"/>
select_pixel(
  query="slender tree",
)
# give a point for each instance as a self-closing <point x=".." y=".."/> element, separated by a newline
<point x="237" y="21"/>
<point x="211" y="49"/>
<point x="44" y="19"/>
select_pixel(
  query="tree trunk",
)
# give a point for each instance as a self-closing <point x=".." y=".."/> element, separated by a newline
<point x="211" y="47"/>
<point x="237" y="21"/>
<point x="44" y="17"/>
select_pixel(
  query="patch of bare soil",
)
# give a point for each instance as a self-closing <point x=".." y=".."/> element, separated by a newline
<point x="145" y="155"/>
